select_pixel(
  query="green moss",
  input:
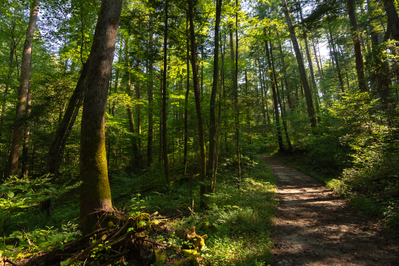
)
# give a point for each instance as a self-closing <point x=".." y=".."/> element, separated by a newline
<point x="143" y="221"/>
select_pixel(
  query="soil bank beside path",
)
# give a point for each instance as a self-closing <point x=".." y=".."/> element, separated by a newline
<point x="314" y="226"/>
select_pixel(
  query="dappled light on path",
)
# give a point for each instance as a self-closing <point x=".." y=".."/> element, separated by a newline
<point x="316" y="227"/>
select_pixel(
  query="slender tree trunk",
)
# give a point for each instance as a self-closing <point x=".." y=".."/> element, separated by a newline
<point x="23" y="91"/>
<point x="219" y="123"/>
<point x="25" y="149"/>
<point x="381" y="73"/>
<point x="186" y="102"/>
<point x="212" y="119"/>
<point x="285" y="75"/>
<point x="237" y="119"/>
<point x="95" y="190"/>
<point x="279" y="98"/>
<point x="164" y="95"/>
<point x="302" y="72"/>
<point x="150" y="101"/>
<point x="317" y="62"/>
<point x="310" y="64"/>
<point x="361" y="75"/>
<point x="341" y="83"/>
<point x="7" y="81"/>
<point x="64" y="129"/>
<point x="276" y="111"/>
<point x="262" y="97"/>
<point x="193" y="46"/>
<point x="136" y="162"/>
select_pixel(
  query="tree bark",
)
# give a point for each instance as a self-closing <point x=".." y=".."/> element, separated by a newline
<point x="186" y="102"/>
<point x="150" y="100"/>
<point x="25" y="149"/>
<point x="193" y="46"/>
<point x="164" y="95"/>
<point x="302" y="72"/>
<point x="279" y="98"/>
<point x="237" y="118"/>
<point x="276" y="111"/>
<point x="212" y="104"/>
<point x="361" y="75"/>
<point x="341" y="83"/>
<point x="57" y="147"/>
<point x="23" y="91"/>
<point x="95" y="193"/>
<point x="393" y="19"/>
<point x="13" y="47"/>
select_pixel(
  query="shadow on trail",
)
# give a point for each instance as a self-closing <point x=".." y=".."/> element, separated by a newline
<point x="316" y="227"/>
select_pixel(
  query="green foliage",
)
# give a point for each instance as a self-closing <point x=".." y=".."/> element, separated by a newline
<point x="17" y="195"/>
<point x="238" y="223"/>
<point x="26" y="243"/>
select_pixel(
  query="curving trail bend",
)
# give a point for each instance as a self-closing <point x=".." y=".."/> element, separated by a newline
<point x="314" y="226"/>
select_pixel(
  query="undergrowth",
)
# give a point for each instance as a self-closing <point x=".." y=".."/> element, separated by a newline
<point x="238" y="220"/>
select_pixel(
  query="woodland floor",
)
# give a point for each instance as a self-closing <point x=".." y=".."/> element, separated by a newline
<point x="317" y="227"/>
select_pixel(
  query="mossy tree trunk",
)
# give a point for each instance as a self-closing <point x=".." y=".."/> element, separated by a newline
<point x="95" y="193"/>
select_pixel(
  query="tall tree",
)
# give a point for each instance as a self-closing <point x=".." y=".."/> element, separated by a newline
<point x="194" y="66"/>
<point x="361" y="75"/>
<point x="164" y="96"/>
<point x="212" y="119"/>
<point x="302" y="72"/>
<point x="95" y="193"/>
<point x="23" y="90"/>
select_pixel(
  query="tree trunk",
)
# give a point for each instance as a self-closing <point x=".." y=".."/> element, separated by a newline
<point x="302" y="72"/>
<point x="219" y="123"/>
<point x="186" y="102"/>
<point x="393" y="19"/>
<point x="23" y="91"/>
<point x="150" y="101"/>
<point x="212" y="104"/>
<point x="193" y="46"/>
<point x="279" y="98"/>
<point x="136" y="162"/>
<point x="164" y="95"/>
<point x="237" y="120"/>
<point x="95" y="193"/>
<point x="276" y="111"/>
<point x="7" y="81"/>
<point x="310" y="64"/>
<point x="317" y="62"/>
<point x="25" y="149"/>
<point x="361" y="75"/>
<point x="341" y="83"/>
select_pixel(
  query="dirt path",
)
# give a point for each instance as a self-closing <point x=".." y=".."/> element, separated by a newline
<point x="316" y="227"/>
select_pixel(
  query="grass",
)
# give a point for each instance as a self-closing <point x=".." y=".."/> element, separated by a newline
<point x="239" y="220"/>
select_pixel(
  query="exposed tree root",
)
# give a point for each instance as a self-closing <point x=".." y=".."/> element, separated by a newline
<point x="127" y="238"/>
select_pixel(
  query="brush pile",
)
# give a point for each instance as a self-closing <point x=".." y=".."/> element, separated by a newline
<point x="128" y="240"/>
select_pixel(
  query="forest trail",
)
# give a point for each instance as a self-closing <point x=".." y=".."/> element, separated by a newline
<point x="314" y="226"/>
